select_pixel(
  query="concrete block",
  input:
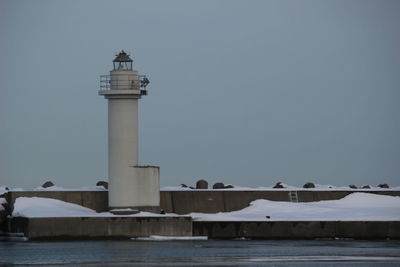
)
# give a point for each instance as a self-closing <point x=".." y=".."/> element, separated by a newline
<point x="142" y="189"/>
<point x="394" y="230"/>
<point x="305" y="196"/>
<point x="362" y="229"/>
<point x="95" y="200"/>
<point x="216" y="230"/>
<point x="166" y="201"/>
<point x="3" y="219"/>
<point x="330" y="195"/>
<point x="197" y="201"/>
<point x="237" y="200"/>
<point x="255" y="230"/>
<point x="299" y="229"/>
<point x="201" y="184"/>
<point x="100" y="227"/>
<point x="284" y="230"/>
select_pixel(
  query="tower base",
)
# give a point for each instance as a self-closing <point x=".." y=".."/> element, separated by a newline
<point x="137" y="189"/>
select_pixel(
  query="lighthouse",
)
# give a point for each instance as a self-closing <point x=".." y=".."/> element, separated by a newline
<point x="131" y="187"/>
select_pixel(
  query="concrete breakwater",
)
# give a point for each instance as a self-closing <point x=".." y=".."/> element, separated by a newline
<point x="299" y="229"/>
<point x="128" y="227"/>
<point x="207" y="201"/>
<point x="121" y="227"/>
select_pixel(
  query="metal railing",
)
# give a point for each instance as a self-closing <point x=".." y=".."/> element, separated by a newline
<point x="105" y="82"/>
<point x="141" y="82"/>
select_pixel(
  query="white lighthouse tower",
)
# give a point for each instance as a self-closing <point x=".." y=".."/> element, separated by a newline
<point x="131" y="186"/>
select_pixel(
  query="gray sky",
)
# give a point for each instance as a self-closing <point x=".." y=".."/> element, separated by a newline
<point x="243" y="92"/>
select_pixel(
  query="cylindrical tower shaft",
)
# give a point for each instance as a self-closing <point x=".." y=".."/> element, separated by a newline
<point x="122" y="144"/>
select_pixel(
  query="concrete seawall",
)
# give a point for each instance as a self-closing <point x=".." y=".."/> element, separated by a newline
<point x="69" y="228"/>
<point x="207" y="201"/>
<point x="183" y="202"/>
<point x="100" y="227"/>
<point x="299" y="229"/>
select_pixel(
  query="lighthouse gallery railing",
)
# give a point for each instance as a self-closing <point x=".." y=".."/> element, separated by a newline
<point x="105" y="82"/>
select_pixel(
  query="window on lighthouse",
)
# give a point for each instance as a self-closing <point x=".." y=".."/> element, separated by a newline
<point x="122" y="65"/>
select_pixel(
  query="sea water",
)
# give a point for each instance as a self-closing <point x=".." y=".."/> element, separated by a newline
<point x="202" y="253"/>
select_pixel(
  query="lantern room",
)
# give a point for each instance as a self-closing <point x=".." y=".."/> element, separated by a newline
<point x="122" y="61"/>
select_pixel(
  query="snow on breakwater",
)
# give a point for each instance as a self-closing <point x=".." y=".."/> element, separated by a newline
<point x="36" y="207"/>
<point x="3" y="190"/>
<point x="48" y="207"/>
<point x="354" y="207"/>
<point x="170" y="238"/>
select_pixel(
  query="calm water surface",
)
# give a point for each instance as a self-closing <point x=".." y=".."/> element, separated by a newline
<point x="202" y="253"/>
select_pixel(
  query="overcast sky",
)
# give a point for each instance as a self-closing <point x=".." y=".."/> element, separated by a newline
<point x="242" y="92"/>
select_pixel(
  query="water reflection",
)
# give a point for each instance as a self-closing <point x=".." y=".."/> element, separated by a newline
<point x="203" y="253"/>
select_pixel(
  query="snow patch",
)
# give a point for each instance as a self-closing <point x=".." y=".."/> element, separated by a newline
<point x="48" y="207"/>
<point x="354" y="207"/>
<point x="58" y="188"/>
<point x="50" y="188"/>
<point x="93" y="188"/>
<point x="127" y="209"/>
<point x="16" y="189"/>
<point x="176" y="188"/>
<point x="169" y="238"/>
<point x="3" y="190"/>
